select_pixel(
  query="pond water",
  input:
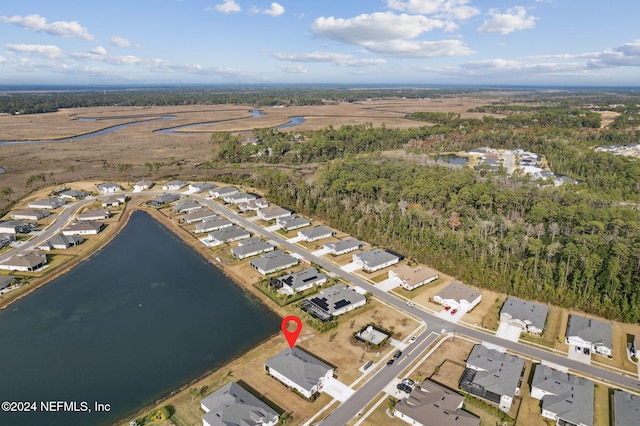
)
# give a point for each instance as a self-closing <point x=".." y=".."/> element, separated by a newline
<point x="453" y="159"/>
<point x="143" y="316"/>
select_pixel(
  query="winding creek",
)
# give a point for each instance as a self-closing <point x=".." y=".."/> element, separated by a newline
<point x="255" y="113"/>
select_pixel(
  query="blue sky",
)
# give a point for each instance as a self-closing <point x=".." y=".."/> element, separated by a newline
<point x="402" y="42"/>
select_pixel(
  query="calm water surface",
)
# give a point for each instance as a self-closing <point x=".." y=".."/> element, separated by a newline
<point x="143" y="316"/>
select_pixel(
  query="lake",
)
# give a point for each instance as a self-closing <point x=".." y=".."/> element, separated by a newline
<point x="452" y="159"/>
<point x="141" y="317"/>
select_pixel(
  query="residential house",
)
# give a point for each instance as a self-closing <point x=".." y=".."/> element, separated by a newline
<point x="458" y="296"/>
<point x="96" y="214"/>
<point x="25" y="262"/>
<point x="412" y="278"/>
<point x="199" y="215"/>
<point x="17" y="227"/>
<point x="273" y="212"/>
<point x="174" y="185"/>
<point x="253" y="205"/>
<point x="108" y="187"/>
<point x="228" y="235"/>
<point x="83" y="228"/>
<point x="344" y="246"/>
<point x="6" y="239"/>
<point x="73" y="194"/>
<point x="6" y="282"/>
<point x="375" y="259"/>
<point x="432" y="404"/>
<point x="625" y="408"/>
<point x="273" y="261"/>
<point x="222" y="191"/>
<point x="47" y="203"/>
<point x="239" y="197"/>
<point x="333" y="301"/>
<point x="566" y="399"/>
<point x="185" y="206"/>
<point x="316" y="233"/>
<point x="583" y="332"/>
<point x="289" y="223"/>
<point x="30" y="214"/>
<point x="234" y="405"/>
<point x="529" y="316"/>
<point x="492" y="375"/>
<point x="60" y="242"/>
<point x="212" y="224"/>
<point x="299" y="281"/>
<point x="197" y="187"/>
<point x="142" y="185"/>
<point x="114" y="200"/>
<point x="251" y="247"/>
<point x="300" y="371"/>
<point x="162" y="200"/>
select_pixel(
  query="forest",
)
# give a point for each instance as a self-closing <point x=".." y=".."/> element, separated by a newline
<point x="577" y="245"/>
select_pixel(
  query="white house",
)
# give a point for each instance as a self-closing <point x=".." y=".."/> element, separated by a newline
<point x="333" y="301"/>
<point x="228" y="235"/>
<point x="374" y="260"/>
<point x="299" y="281"/>
<point x="253" y="205"/>
<point x="142" y="185"/>
<point x="251" y="247"/>
<point x="30" y="214"/>
<point x="239" y="197"/>
<point x="83" y="228"/>
<point x="584" y="332"/>
<point x="96" y="214"/>
<point x="527" y="315"/>
<point x="299" y="370"/>
<point x="47" y="203"/>
<point x="458" y="296"/>
<point x="212" y="224"/>
<point x="25" y="262"/>
<point x="289" y="223"/>
<point x="221" y="192"/>
<point x="17" y="227"/>
<point x="344" y="246"/>
<point x="114" y="200"/>
<point x="316" y="233"/>
<point x="200" y="187"/>
<point x="273" y="212"/>
<point x="174" y="185"/>
<point x="273" y="261"/>
<point x="61" y="242"/>
<point x="72" y="194"/>
<point x="108" y="187"/>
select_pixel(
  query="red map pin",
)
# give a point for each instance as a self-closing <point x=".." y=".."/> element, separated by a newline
<point x="291" y="336"/>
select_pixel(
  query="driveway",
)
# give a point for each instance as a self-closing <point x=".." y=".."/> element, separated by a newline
<point x="578" y="355"/>
<point x="508" y="332"/>
<point x="320" y="252"/>
<point x="337" y="390"/>
<point x="388" y="284"/>
<point x="350" y="267"/>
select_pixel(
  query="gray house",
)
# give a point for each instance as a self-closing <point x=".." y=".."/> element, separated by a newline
<point x="626" y="408"/>
<point x="289" y="223"/>
<point x="162" y="200"/>
<point x="17" y="227"/>
<point x="184" y="206"/>
<point x="251" y="247"/>
<point x="344" y="246"/>
<point x="30" y="214"/>
<point x="299" y="370"/>
<point x="529" y="316"/>
<point x="273" y="261"/>
<point x="47" y="203"/>
<point x="567" y="399"/>
<point x="228" y="235"/>
<point x="374" y="260"/>
<point x="6" y="239"/>
<point x="25" y="262"/>
<point x="299" y="281"/>
<point x="73" y="194"/>
<point x="492" y="375"/>
<point x="174" y="185"/>
<point x="199" y="215"/>
<point x="108" y="187"/>
<point x="584" y="332"/>
<point x="96" y="214"/>
<point x="212" y="224"/>
<point x="333" y="301"/>
<point x="316" y="233"/>
<point x="234" y="405"/>
<point x="221" y="192"/>
<point x="273" y="212"/>
<point x="201" y="186"/>
<point x="61" y="242"/>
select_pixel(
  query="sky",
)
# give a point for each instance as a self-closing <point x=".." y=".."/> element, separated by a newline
<point x="355" y="42"/>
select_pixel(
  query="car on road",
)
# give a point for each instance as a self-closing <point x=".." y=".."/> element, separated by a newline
<point x="397" y="354"/>
<point x="404" y="388"/>
<point x="413" y="339"/>
<point x="411" y="304"/>
<point x="391" y="361"/>
<point x="454" y="312"/>
<point x="446" y="308"/>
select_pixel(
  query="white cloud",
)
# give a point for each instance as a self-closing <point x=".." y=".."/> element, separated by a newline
<point x="99" y="51"/>
<point x="122" y="42"/>
<point x="293" y="69"/>
<point x="379" y="26"/>
<point x="46" y="51"/>
<point x="514" y="19"/>
<point x="626" y="55"/>
<point x="419" y="49"/>
<point x="276" y="9"/>
<point x="452" y="9"/>
<point x="228" y="6"/>
<point x="58" y="28"/>
<point x="341" y="59"/>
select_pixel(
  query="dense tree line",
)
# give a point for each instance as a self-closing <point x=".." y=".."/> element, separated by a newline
<point x="557" y="245"/>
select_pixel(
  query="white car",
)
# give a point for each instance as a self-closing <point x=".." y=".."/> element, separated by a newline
<point x="410" y="304"/>
<point x="413" y="339"/>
